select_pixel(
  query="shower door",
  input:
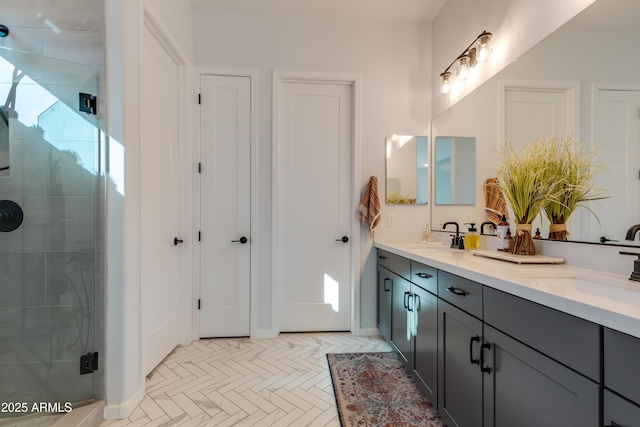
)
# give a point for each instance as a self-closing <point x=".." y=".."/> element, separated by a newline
<point x="49" y="263"/>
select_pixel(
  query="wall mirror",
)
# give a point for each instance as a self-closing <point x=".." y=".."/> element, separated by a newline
<point x="455" y="176"/>
<point x="407" y="175"/>
<point x="586" y="62"/>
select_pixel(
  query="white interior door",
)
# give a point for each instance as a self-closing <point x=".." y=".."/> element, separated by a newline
<point x="160" y="201"/>
<point x="535" y="113"/>
<point x="313" y="180"/>
<point x="617" y="119"/>
<point x="532" y="113"/>
<point x="225" y="204"/>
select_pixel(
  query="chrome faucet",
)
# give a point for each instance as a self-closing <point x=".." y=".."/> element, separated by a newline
<point x="631" y="232"/>
<point x="456" y="240"/>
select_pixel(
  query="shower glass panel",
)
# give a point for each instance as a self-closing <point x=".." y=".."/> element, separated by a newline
<point x="49" y="153"/>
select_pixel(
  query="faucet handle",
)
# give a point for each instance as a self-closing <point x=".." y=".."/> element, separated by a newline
<point x="604" y="240"/>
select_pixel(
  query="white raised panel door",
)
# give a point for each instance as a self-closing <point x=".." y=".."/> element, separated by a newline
<point x="225" y="206"/>
<point x="532" y="113"/>
<point x="617" y="139"/>
<point x="160" y="203"/>
<point x="313" y="180"/>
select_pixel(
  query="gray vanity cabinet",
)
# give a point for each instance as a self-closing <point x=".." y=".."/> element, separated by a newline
<point x="621" y="379"/>
<point x="385" y="282"/>
<point x="400" y="300"/>
<point x="425" y="342"/>
<point x="460" y="378"/>
<point x="524" y="388"/>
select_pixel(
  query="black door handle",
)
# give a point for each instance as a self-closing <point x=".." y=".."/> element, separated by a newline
<point x="473" y="360"/>
<point x="177" y="241"/>
<point x="483" y="368"/>
<point x="344" y="239"/>
<point x="242" y="240"/>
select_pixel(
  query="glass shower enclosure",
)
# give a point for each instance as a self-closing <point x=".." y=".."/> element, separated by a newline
<point x="51" y="236"/>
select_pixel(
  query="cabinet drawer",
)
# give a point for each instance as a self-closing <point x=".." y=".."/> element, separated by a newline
<point x="570" y="340"/>
<point x="383" y="258"/>
<point x="396" y="263"/>
<point x="620" y="412"/>
<point x="622" y="364"/>
<point x="461" y="292"/>
<point x="424" y="276"/>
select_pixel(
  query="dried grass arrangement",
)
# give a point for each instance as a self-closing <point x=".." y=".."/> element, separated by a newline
<point x="528" y="183"/>
<point x="574" y="172"/>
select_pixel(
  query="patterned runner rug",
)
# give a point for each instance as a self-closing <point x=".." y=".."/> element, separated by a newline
<point x="374" y="389"/>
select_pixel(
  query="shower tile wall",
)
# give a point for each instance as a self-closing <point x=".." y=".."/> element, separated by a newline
<point x="51" y="281"/>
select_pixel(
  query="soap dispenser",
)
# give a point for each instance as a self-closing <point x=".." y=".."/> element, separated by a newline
<point x="472" y="238"/>
<point x="427" y="236"/>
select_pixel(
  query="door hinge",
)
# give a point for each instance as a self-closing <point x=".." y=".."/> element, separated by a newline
<point x="199" y="236"/>
<point x="88" y="363"/>
<point x="199" y="167"/>
<point x="87" y="103"/>
<point x="198" y="304"/>
<point x="199" y="99"/>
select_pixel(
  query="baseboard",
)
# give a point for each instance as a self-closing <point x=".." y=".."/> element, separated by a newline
<point x="265" y="334"/>
<point x="124" y="409"/>
<point x="84" y="416"/>
<point x="366" y="332"/>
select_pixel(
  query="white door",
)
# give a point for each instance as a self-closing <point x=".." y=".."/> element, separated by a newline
<point x="532" y="113"/>
<point x="225" y="206"/>
<point x="160" y="200"/>
<point x="617" y="131"/>
<point x="313" y="180"/>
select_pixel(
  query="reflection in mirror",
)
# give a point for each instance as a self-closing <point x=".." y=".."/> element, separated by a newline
<point x="4" y="143"/>
<point x="586" y="65"/>
<point x="407" y="169"/>
<point x="455" y="162"/>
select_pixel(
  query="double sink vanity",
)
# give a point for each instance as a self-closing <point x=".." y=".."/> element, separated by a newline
<point x="494" y="343"/>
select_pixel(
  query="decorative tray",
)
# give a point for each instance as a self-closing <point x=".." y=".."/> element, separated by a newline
<point x="519" y="259"/>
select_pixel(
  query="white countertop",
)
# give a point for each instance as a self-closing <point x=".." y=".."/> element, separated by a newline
<point x="611" y="300"/>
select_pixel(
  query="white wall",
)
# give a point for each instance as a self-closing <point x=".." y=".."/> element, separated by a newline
<point x="124" y="375"/>
<point x="393" y="59"/>
<point x="177" y="16"/>
<point x="517" y="25"/>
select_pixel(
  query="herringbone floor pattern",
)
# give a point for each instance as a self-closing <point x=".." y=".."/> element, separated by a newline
<point x="242" y="382"/>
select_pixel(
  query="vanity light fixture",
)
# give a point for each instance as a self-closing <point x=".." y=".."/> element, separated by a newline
<point x="479" y="50"/>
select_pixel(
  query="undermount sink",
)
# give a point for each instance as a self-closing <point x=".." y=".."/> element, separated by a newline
<point x="624" y="291"/>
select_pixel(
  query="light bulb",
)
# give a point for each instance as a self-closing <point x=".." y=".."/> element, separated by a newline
<point x="463" y="68"/>
<point x="484" y="46"/>
<point x="445" y="78"/>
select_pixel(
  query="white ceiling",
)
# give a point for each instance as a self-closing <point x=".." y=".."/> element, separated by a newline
<point x="387" y="10"/>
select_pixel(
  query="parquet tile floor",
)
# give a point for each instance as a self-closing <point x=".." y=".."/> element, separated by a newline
<point x="243" y="382"/>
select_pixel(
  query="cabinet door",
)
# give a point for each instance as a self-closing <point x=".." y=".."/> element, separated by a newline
<point x="384" y="302"/>
<point x="425" y="355"/>
<point x="400" y="330"/>
<point x="460" y="378"/>
<point x="619" y="412"/>
<point x="525" y="388"/>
